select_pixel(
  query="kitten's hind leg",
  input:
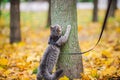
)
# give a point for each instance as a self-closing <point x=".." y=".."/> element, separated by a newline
<point x="39" y="76"/>
<point x="58" y="73"/>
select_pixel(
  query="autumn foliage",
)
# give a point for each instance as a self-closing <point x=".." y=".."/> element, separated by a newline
<point x="19" y="61"/>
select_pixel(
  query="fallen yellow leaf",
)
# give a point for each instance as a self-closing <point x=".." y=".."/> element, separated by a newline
<point x="3" y="61"/>
<point x="64" y="78"/>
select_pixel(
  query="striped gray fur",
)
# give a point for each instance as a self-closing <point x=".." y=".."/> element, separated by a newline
<point x="51" y="54"/>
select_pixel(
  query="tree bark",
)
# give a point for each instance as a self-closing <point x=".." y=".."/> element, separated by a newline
<point x="95" y="11"/>
<point x="63" y="12"/>
<point x="15" y="35"/>
<point x="113" y="8"/>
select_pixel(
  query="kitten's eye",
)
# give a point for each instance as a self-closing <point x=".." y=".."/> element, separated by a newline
<point x="53" y="30"/>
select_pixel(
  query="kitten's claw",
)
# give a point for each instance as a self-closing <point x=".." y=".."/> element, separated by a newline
<point x="69" y="26"/>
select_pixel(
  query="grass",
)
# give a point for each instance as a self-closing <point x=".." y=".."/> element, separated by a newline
<point x="39" y="19"/>
<point x="31" y="19"/>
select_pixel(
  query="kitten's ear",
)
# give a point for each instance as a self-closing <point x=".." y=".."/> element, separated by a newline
<point x="51" y="27"/>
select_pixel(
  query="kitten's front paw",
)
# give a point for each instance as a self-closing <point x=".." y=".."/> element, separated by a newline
<point x="69" y="26"/>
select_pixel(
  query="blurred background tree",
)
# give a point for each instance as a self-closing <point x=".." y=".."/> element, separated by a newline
<point x="113" y="8"/>
<point x="15" y="32"/>
<point x="95" y="11"/>
<point x="49" y="14"/>
<point x="85" y="0"/>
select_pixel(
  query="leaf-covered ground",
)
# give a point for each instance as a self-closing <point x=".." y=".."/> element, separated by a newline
<point x="20" y="60"/>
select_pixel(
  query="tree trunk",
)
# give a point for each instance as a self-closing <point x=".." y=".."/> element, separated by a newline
<point x="95" y="11"/>
<point x="0" y="8"/>
<point x="49" y="14"/>
<point x="113" y="8"/>
<point x="63" y="12"/>
<point x="15" y="35"/>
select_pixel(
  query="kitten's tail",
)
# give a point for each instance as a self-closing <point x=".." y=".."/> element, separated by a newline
<point x="53" y="76"/>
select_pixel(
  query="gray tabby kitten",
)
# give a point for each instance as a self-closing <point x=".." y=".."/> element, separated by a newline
<point x="51" y="54"/>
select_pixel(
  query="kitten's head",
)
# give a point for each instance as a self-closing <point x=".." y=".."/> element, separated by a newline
<point x="56" y="30"/>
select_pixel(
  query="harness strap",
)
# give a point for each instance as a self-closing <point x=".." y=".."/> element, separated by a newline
<point x="55" y="44"/>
